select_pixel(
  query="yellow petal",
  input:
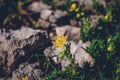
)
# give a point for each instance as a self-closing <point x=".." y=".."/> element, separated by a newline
<point x="73" y="7"/>
<point x="78" y="15"/>
<point x="17" y="79"/>
<point x="77" y="9"/>
<point x="110" y="48"/>
<point x="26" y="78"/>
<point x="82" y="13"/>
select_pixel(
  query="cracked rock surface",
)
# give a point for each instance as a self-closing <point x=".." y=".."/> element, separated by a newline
<point x="77" y="50"/>
<point x="17" y="44"/>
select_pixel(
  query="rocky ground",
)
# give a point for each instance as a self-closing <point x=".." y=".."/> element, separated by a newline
<point x="17" y="46"/>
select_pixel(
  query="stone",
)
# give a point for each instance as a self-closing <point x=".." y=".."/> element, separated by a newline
<point x="60" y="2"/>
<point x="38" y="6"/>
<point x="95" y="19"/>
<point x="52" y="19"/>
<point x="77" y="50"/>
<point x="52" y="35"/>
<point x="44" y="14"/>
<point x="29" y="70"/>
<point x="83" y="2"/>
<point x="88" y="3"/>
<point x="81" y="56"/>
<point x="19" y="43"/>
<point x="43" y="24"/>
<point x="72" y="33"/>
<point x="58" y="13"/>
<point x="73" y="22"/>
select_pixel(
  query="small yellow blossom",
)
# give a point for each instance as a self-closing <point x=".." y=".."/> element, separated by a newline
<point x="109" y="39"/>
<point x="108" y="17"/>
<point x="118" y="69"/>
<point x="60" y="41"/>
<point x="78" y="15"/>
<point x="76" y="10"/>
<point x="24" y="78"/>
<point x="82" y="13"/>
<point x="73" y="7"/>
<point x="17" y="79"/>
<point x="110" y="48"/>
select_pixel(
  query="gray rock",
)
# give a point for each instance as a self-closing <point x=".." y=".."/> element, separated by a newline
<point x="72" y="33"/>
<point x="38" y="6"/>
<point x="43" y="24"/>
<point x="60" y="2"/>
<point x="74" y="22"/>
<point x="29" y="70"/>
<point x="19" y="43"/>
<point x="52" y="34"/>
<point x="58" y="13"/>
<point x="79" y="54"/>
<point x="45" y="13"/>
<point x="95" y="19"/>
<point x="5" y="78"/>
<point x="52" y="19"/>
<point x="84" y="2"/>
<point x="102" y="2"/>
<point x="88" y="3"/>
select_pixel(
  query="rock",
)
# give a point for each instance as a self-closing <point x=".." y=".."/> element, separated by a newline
<point x="62" y="30"/>
<point x="79" y="55"/>
<point x="45" y="14"/>
<point x="102" y="2"/>
<point x="58" y="13"/>
<point x="52" y="35"/>
<point x="88" y="3"/>
<point x="72" y="33"/>
<point x="95" y="19"/>
<point x="74" y="22"/>
<point x="19" y="43"/>
<point x="29" y="70"/>
<point x="52" y="19"/>
<point x="60" y="2"/>
<point x="43" y="24"/>
<point x="38" y="6"/>
<point x="83" y="2"/>
<point x="5" y="79"/>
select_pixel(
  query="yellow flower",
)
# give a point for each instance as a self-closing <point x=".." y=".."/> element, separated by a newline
<point x="110" y="48"/>
<point x="77" y="9"/>
<point x="82" y="13"/>
<point x="108" y="17"/>
<point x="24" y="78"/>
<point x="60" y="41"/>
<point x="78" y="15"/>
<point x="17" y="79"/>
<point x="73" y="7"/>
<point x="118" y="69"/>
<point x="108" y="40"/>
